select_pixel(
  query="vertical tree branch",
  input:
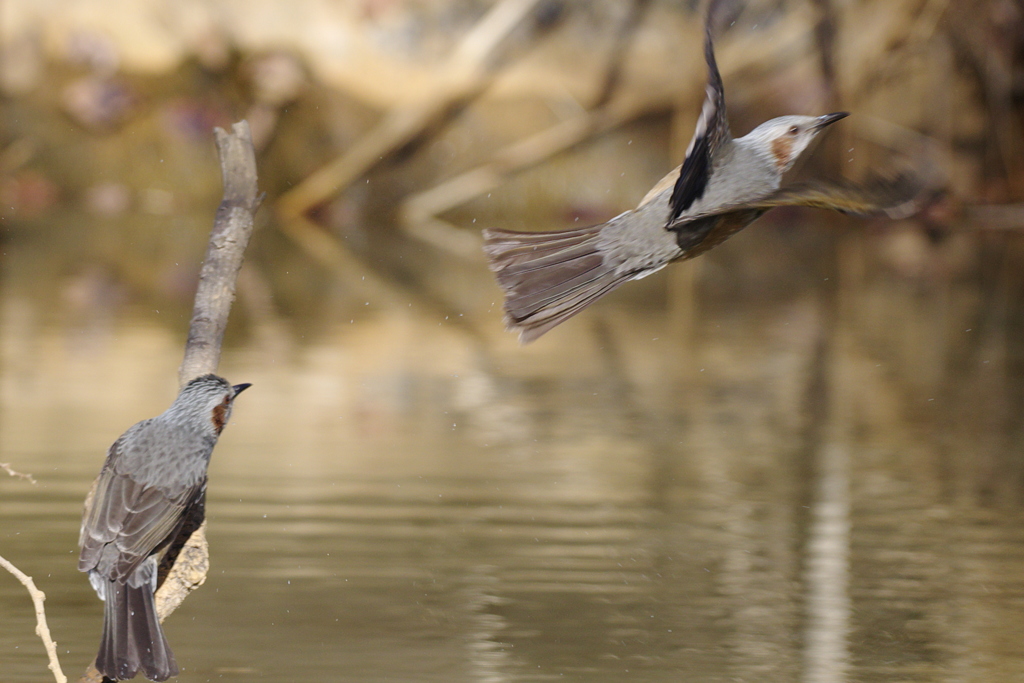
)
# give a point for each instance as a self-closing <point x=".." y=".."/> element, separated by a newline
<point x="187" y="561"/>
<point x="231" y="231"/>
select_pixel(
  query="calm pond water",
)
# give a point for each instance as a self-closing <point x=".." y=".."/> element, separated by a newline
<point x="771" y="465"/>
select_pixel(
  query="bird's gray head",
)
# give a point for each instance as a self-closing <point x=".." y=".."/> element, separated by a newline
<point x="206" y="402"/>
<point x="782" y="140"/>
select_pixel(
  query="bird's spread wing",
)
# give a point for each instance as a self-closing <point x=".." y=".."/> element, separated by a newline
<point x="711" y="131"/>
<point x="133" y="518"/>
<point x="897" y="197"/>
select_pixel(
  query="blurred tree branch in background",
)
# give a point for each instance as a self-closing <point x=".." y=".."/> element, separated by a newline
<point x="404" y="118"/>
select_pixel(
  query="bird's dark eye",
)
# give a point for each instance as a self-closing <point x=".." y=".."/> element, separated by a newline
<point x="793" y="130"/>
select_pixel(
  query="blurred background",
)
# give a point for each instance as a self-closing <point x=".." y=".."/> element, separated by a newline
<point x="799" y="457"/>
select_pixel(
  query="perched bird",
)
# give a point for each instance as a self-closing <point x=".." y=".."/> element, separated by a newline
<point x="723" y="185"/>
<point x="152" y="482"/>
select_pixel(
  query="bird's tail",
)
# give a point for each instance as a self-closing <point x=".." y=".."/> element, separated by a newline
<point x="132" y="637"/>
<point x="548" y="277"/>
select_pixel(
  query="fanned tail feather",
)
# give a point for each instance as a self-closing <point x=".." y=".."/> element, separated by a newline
<point x="548" y="277"/>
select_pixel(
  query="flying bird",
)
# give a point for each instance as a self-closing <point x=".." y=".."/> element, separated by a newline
<point x="722" y="186"/>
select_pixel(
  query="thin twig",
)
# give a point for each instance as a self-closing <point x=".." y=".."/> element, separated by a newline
<point x="6" y="467"/>
<point x="42" y="630"/>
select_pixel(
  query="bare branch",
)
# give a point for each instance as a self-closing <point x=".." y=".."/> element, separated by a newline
<point x="6" y="467"/>
<point x="42" y="630"/>
<point x="228" y="240"/>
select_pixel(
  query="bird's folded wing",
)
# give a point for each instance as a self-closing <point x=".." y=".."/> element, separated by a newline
<point x="897" y="197"/>
<point x="136" y="518"/>
<point x="711" y="131"/>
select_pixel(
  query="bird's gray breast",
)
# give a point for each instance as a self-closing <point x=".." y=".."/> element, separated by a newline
<point x="642" y="241"/>
<point x="739" y="175"/>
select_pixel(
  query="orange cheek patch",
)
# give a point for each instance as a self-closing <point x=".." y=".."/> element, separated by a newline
<point x="782" y="148"/>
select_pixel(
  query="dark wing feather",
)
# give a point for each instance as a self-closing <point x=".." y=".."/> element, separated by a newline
<point x="711" y="131"/>
<point x="134" y="518"/>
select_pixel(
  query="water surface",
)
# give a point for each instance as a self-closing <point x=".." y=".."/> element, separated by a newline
<point x="739" y="470"/>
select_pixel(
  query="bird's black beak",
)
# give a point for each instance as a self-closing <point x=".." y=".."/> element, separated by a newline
<point x="829" y="119"/>
<point x="239" y="388"/>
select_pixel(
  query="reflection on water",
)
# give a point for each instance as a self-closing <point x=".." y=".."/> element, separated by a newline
<point x="724" y="474"/>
